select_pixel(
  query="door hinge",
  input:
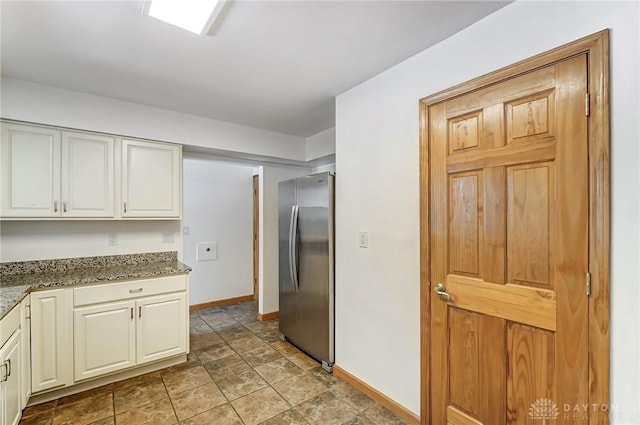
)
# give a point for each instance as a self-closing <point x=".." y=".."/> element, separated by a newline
<point x="588" y="284"/>
<point x="587" y="104"/>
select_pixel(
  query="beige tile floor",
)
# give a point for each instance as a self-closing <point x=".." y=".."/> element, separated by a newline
<point x="238" y="373"/>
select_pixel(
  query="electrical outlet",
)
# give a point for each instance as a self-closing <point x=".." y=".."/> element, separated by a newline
<point x="167" y="237"/>
<point x="363" y="239"/>
<point x="186" y="231"/>
<point x="112" y="239"/>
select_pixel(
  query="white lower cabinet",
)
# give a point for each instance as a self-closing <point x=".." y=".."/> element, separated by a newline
<point x="51" y="339"/>
<point x="105" y="339"/>
<point x="122" y="333"/>
<point x="87" y="332"/>
<point x="15" y="365"/>
<point x="162" y="327"/>
<point x="25" y="338"/>
<point x="10" y="381"/>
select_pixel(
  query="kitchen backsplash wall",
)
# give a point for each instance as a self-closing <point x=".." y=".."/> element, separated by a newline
<point x="66" y="264"/>
<point x="40" y="240"/>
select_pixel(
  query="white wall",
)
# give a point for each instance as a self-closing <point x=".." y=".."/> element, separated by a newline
<point x="321" y="144"/>
<point x="323" y="168"/>
<point x="32" y="102"/>
<point x="377" y="289"/>
<point x="218" y="207"/>
<point x="270" y="176"/>
<point x="27" y="101"/>
<point x="39" y="240"/>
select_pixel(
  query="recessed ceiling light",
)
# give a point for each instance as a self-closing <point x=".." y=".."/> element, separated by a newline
<point x="196" y="16"/>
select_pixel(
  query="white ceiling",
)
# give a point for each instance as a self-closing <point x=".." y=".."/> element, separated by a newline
<point x="274" y="65"/>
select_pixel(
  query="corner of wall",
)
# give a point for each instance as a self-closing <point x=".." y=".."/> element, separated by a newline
<point x="320" y="144"/>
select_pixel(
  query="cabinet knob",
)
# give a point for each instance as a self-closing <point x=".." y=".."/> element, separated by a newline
<point x="55" y="206"/>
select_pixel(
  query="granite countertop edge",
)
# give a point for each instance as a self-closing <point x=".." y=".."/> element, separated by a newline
<point x="15" y="288"/>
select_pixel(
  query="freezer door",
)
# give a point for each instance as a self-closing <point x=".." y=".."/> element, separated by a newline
<point x="289" y="308"/>
<point x="315" y="265"/>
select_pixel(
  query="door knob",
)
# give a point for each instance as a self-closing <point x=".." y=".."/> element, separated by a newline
<point x="442" y="292"/>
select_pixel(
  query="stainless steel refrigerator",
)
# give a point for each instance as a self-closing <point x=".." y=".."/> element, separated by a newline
<point x="306" y="264"/>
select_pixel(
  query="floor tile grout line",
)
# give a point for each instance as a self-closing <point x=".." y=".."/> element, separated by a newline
<point x="264" y="334"/>
<point x="175" y="413"/>
<point x="113" y="404"/>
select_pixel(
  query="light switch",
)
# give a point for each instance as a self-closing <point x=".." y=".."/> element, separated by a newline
<point x="206" y="251"/>
<point x="363" y="239"/>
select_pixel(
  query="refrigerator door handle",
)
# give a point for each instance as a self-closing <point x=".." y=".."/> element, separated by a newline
<point x="293" y="224"/>
<point x="294" y="250"/>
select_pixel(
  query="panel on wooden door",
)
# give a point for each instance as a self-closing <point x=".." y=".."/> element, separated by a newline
<point x="509" y="217"/>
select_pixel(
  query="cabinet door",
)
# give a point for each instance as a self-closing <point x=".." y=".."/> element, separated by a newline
<point x="51" y="339"/>
<point x="104" y="339"/>
<point x="10" y="392"/>
<point x="30" y="176"/>
<point x="151" y="179"/>
<point x="87" y="175"/>
<point x="162" y="329"/>
<point x="25" y="341"/>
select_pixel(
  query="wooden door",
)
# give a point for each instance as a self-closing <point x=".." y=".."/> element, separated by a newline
<point x="256" y="234"/>
<point x="509" y="244"/>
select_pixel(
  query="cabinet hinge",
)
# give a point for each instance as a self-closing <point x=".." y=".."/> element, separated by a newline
<point x="27" y="314"/>
<point x="587" y="104"/>
<point x="588" y="284"/>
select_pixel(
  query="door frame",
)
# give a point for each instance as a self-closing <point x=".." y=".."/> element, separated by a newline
<point x="596" y="46"/>
<point x="256" y="237"/>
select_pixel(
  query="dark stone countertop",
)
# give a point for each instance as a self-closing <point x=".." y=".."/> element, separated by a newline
<point x="17" y="282"/>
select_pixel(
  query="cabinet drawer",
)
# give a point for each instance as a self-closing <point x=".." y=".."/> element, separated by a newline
<point x="9" y="324"/>
<point x="125" y="290"/>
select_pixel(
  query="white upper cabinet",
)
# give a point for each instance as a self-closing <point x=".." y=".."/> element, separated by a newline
<point x="151" y="179"/>
<point x="51" y="173"/>
<point x="30" y="160"/>
<point x="87" y="175"/>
